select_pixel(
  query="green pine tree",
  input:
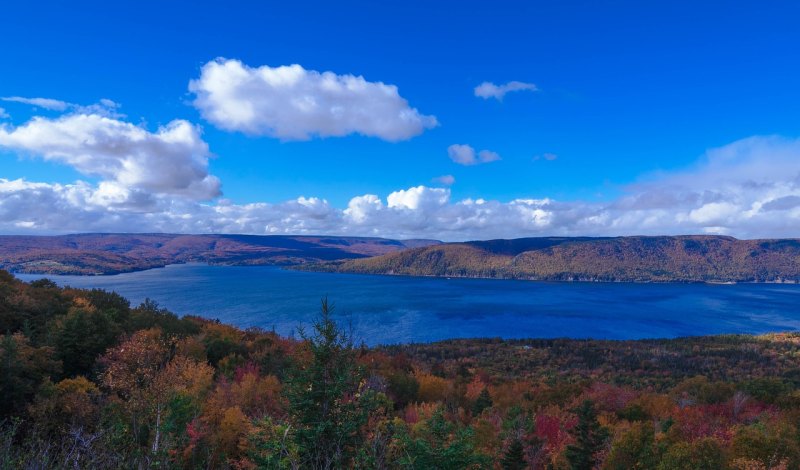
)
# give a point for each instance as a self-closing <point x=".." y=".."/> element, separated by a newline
<point x="440" y="445"/>
<point x="514" y="458"/>
<point x="589" y="436"/>
<point x="326" y="408"/>
<point x="483" y="401"/>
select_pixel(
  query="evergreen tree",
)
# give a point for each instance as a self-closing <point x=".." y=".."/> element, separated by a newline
<point x="439" y="444"/>
<point x="589" y="438"/>
<point x="81" y="337"/>
<point x="483" y="401"/>
<point x="514" y="458"/>
<point x="325" y="406"/>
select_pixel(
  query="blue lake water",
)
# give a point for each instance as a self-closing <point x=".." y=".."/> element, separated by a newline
<point x="391" y="309"/>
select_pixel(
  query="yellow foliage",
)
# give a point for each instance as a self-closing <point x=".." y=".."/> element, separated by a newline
<point x="232" y="432"/>
<point x="657" y="406"/>
<point x="187" y="376"/>
<point x="222" y="332"/>
<point x="432" y="388"/>
<point x="77" y="397"/>
<point x="81" y="303"/>
<point x="79" y="384"/>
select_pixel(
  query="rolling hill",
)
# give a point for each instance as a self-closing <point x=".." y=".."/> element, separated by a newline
<point x="115" y="253"/>
<point x="694" y="258"/>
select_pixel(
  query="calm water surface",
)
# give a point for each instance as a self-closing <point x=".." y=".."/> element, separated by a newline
<point x="389" y="309"/>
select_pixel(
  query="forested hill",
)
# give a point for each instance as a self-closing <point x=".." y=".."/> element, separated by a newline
<point x="108" y="253"/>
<point x="695" y="258"/>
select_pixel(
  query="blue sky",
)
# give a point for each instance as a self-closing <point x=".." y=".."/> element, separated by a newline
<point x="631" y="98"/>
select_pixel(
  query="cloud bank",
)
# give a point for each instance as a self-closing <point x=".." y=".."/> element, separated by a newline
<point x="292" y="103"/>
<point x="140" y="180"/>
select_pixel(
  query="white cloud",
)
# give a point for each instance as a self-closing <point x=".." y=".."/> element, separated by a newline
<point x="292" y="103"/>
<point x="488" y="90"/>
<point x="46" y="103"/>
<point x="465" y="155"/>
<point x="447" y="180"/>
<point x="713" y="212"/>
<point x="420" y="197"/>
<point x="105" y="107"/>
<point x="4" y="114"/>
<point x="749" y="189"/>
<point x="360" y="209"/>
<point x="130" y="160"/>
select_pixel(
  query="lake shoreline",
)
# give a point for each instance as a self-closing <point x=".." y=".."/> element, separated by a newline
<point x="303" y="268"/>
<point x="403" y="309"/>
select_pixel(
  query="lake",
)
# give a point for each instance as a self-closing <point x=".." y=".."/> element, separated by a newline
<point x="392" y="309"/>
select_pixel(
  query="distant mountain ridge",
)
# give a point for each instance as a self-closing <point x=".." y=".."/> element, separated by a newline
<point x="690" y="258"/>
<point x="109" y="253"/>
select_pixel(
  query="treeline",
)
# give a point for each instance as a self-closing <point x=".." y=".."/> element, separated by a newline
<point x="87" y="381"/>
<point x="697" y="258"/>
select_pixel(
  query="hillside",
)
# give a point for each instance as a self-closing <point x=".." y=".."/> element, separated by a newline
<point x="696" y="258"/>
<point x="115" y="253"/>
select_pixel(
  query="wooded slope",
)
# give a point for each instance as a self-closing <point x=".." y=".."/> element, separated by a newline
<point x="105" y="253"/>
<point x="695" y="258"/>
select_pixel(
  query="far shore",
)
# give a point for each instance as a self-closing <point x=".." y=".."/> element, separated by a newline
<point x="309" y="267"/>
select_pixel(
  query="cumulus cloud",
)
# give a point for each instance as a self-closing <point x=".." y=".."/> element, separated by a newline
<point x="447" y="180"/>
<point x="292" y="103"/>
<point x="130" y="160"/>
<point x="4" y="114"/>
<point x="419" y="197"/>
<point x="749" y="189"/>
<point x="488" y="90"/>
<point x="465" y="155"/>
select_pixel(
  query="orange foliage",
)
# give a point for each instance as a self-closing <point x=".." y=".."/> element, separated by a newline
<point x="432" y="388"/>
<point x="232" y="431"/>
